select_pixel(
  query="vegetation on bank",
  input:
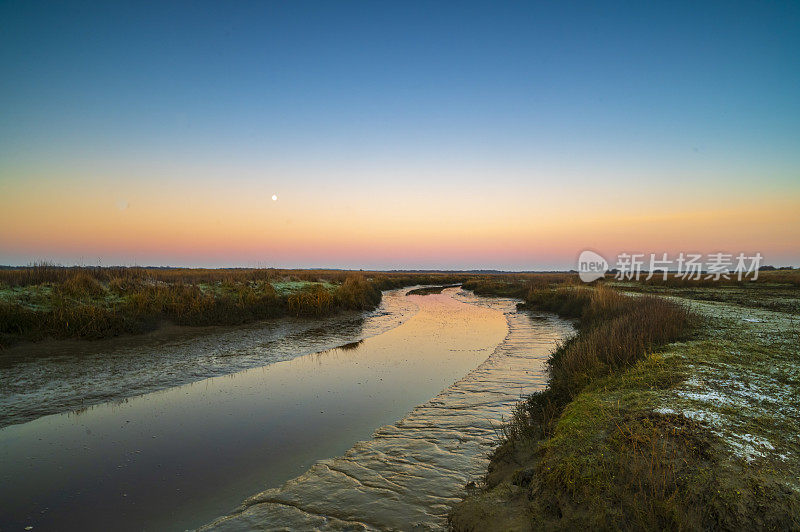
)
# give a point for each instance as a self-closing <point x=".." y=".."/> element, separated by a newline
<point x="428" y="290"/>
<point x="50" y="301"/>
<point x="654" y="417"/>
<point x="773" y="294"/>
<point x="519" y="286"/>
<point x="774" y="289"/>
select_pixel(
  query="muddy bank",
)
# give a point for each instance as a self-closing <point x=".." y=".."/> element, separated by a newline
<point x="178" y="458"/>
<point x="58" y="376"/>
<point x="696" y="434"/>
<point x="410" y="473"/>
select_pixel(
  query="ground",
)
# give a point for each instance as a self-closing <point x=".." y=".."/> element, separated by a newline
<point x="699" y="434"/>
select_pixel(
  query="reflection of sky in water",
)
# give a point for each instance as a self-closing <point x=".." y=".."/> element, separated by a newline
<point x="53" y="377"/>
<point x="184" y="455"/>
<point x="409" y="473"/>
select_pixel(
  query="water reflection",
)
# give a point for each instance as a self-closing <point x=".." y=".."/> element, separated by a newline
<point x="350" y="345"/>
<point x="409" y="474"/>
<point x="53" y="377"/>
<point x="179" y="457"/>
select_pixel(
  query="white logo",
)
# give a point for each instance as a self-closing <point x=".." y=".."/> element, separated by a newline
<point x="591" y="266"/>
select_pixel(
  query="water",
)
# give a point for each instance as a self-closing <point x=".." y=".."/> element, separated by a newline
<point x="409" y="474"/>
<point x="57" y="376"/>
<point x="180" y="457"/>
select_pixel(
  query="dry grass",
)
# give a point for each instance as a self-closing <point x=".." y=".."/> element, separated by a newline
<point x="616" y="331"/>
<point x="429" y="290"/>
<point x="80" y="285"/>
<point x="40" y="273"/>
<point x="597" y="450"/>
<point x="519" y="286"/>
<point x="315" y="300"/>
<point x="357" y="293"/>
<point x="784" y="277"/>
<point x="44" y="300"/>
<point x="566" y="301"/>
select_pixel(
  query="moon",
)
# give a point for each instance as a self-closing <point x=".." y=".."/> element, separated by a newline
<point x="274" y="197"/>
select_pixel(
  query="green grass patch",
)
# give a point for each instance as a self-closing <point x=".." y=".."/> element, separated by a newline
<point x="286" y="288"/>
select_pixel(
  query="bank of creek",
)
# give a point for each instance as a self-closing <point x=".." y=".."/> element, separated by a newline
<point x="380" y="433"/>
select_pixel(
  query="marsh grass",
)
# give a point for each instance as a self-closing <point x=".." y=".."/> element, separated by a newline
<point x="50" y="301"/>
<point x="357" y="293"/>
<point x="566" y="301"/>
<point x="519" y="286"/>
<point x="80" y="285"/>
<point x="597" y="450"/>
<point x="789" y="277"/>
<point x="616" y="331"/>
<point x="45" y="300"/>
<point x="312" y="301"/>
<point x="429" y="290"/>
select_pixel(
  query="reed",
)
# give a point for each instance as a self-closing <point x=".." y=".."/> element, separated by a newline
<point x="45" y="300"/>
<point x="519" y="286"/>
<point x="544" y="446"/>
<point x="616" y="331"/>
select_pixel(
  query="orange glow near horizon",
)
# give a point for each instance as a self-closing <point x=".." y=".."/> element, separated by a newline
<point x="382" y="227"/>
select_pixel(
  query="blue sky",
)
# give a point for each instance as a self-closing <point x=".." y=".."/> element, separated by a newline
<point x="428" y="93"/>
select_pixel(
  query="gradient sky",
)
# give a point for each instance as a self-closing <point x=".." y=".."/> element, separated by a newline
<point x="397" y="134"/>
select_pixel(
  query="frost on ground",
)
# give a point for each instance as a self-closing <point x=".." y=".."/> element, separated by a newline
<point x="744" y="383"/>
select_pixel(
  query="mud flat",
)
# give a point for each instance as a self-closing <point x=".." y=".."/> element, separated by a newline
<point x="57" y="376"/>
<point x="409" y="473"/>
<point x="179" y="457"/>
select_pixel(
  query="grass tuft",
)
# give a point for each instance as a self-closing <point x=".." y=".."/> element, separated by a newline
<point x="597" y="448"/>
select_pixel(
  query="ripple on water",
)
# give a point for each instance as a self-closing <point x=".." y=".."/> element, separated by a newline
<point x="410" y="473"/>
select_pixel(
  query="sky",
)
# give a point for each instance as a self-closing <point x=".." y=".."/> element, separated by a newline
<point x="502" y="135"/>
